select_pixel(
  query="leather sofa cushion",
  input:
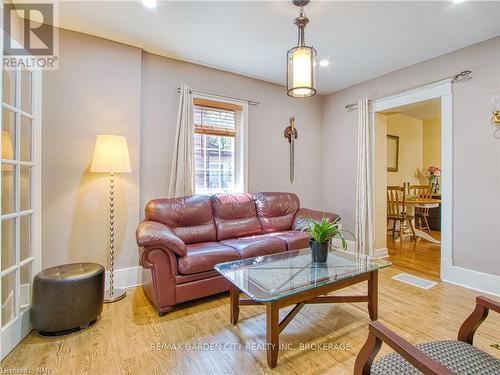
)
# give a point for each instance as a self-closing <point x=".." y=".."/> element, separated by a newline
<point x="204" y="256"/>
<point x="249" y="247"/>
<point x="276" y="210"/>
<point x="190" y="218"/>
<point x="295" y="239"/>
<point x="185" y="279"/>
<point x="235" y="216"/>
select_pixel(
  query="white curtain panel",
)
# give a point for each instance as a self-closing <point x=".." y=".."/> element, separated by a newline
<point x="364" y="195"/>
<point x="182" y="172"/>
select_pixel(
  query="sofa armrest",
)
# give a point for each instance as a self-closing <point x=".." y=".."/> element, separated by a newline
<point x="474" y="320"/>
<point x="303" y="215"/>
<point x="154" y="234"/>
<point x="379" y="333"/>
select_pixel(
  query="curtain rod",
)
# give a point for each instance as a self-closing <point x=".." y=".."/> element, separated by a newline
<point x="461" y="77"/>
<point x="250" y="102"/>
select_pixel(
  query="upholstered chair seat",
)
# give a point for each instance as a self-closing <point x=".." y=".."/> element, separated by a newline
<point x="460" y="357"/>
<point x="447" y="357"/>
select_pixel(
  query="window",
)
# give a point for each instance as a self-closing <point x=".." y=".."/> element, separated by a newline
<point x="218" y="146"/>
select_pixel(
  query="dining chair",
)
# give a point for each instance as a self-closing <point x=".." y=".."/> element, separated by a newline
<point x="398" y="212"/>
<point x="421" y="213"/>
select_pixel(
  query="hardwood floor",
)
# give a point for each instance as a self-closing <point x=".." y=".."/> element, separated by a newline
<point x="421" y="258"/>
<point x="198" y="337"/>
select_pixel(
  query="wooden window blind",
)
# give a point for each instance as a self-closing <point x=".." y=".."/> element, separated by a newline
<point x="214" y="120"/>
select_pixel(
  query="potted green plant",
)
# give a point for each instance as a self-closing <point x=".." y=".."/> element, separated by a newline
<point x="321" y="233"/>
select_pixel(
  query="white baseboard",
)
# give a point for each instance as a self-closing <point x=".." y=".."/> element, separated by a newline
<point x="351" y="247"/>
<point x="482" y="282"/>
<point x="126" y="277"/>
<point x="381" y="253"/>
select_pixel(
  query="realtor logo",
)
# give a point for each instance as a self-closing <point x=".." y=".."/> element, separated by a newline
<point x="29" y="35"/>
<point x="37" y="31"/>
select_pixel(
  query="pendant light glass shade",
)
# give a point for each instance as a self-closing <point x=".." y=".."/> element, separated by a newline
<point x="301" y="60"/>
<point x="301" y="74"/>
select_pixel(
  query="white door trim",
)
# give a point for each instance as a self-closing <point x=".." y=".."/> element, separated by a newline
<point x="449" y="272"/>
<point x="442" y="90"/>
<point x="428" y="92"/>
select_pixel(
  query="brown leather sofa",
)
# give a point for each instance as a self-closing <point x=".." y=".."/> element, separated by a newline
<point x="182" y="239"/>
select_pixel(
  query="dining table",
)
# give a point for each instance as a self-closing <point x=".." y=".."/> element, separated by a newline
<point x="413" y="203"/>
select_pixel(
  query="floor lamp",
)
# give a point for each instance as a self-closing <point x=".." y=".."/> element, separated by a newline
<point x="111" y="156"/>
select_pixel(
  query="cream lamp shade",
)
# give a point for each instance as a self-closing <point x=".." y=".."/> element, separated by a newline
<point x="111" y="155"/>
<point x="301" y="72"/>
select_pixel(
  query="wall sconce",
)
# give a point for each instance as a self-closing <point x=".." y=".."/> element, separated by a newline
<point x="495" y="115"/>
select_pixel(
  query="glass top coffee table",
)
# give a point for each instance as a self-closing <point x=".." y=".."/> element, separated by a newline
<point x="291" y="277"/>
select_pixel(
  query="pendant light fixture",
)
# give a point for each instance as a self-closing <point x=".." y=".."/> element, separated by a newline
<point x="301" y="61"/>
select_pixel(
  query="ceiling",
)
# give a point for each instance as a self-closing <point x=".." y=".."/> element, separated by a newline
<point x="362" y="40"/>
<point x="425" y="110"/>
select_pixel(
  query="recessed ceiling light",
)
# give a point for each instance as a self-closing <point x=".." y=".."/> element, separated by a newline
<point x="324" y="63"/>
<point x="149" y="3"/>
<point x="458" y="1"/>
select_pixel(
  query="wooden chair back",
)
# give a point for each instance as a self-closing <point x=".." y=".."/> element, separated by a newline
<point x="423" y="192"/>
<point x="420" y="191"/>
<point x="396" y="200"/>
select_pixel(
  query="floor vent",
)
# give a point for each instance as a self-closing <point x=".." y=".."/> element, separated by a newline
<point x="415" y="281"/>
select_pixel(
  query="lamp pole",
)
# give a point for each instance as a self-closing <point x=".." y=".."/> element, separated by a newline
<point x="112" y="294"/>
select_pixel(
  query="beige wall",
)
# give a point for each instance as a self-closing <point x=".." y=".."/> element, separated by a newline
<point x="103" y="87"/>
<point x="106" y="87"/>
<point x="476" y="238"/>
<point x="95" y="91"/>
<point x="410" y="133"/>
<point x="432" y="142"/>
<point x="268" y="154"/>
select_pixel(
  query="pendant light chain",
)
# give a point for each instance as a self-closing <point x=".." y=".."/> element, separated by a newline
<point x="301" y="21"/>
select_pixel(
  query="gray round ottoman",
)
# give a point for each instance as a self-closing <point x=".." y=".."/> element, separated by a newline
<point x="67" y="298"/>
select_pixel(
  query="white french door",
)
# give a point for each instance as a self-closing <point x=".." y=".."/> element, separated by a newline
<point x="20" y="204"/>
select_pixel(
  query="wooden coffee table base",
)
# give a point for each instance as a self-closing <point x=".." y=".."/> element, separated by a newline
<point x="317" y="295"/>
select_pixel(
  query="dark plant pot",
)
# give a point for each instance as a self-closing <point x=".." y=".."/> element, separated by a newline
<point x="319" y="251"/>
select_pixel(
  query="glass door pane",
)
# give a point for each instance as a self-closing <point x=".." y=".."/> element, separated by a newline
<point x="8" y="298"/>
<point x="25" y="188"/>
<point x="8" y="188"/>
<point x="8" y="243"/>
<point x="25" y="237"/>
<point x="25" y="287"/>
<point x="9" y="87"/>
<point x="26" y="91"/>
<point x="25" y="139"/>
<point x="8" y="134"/>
